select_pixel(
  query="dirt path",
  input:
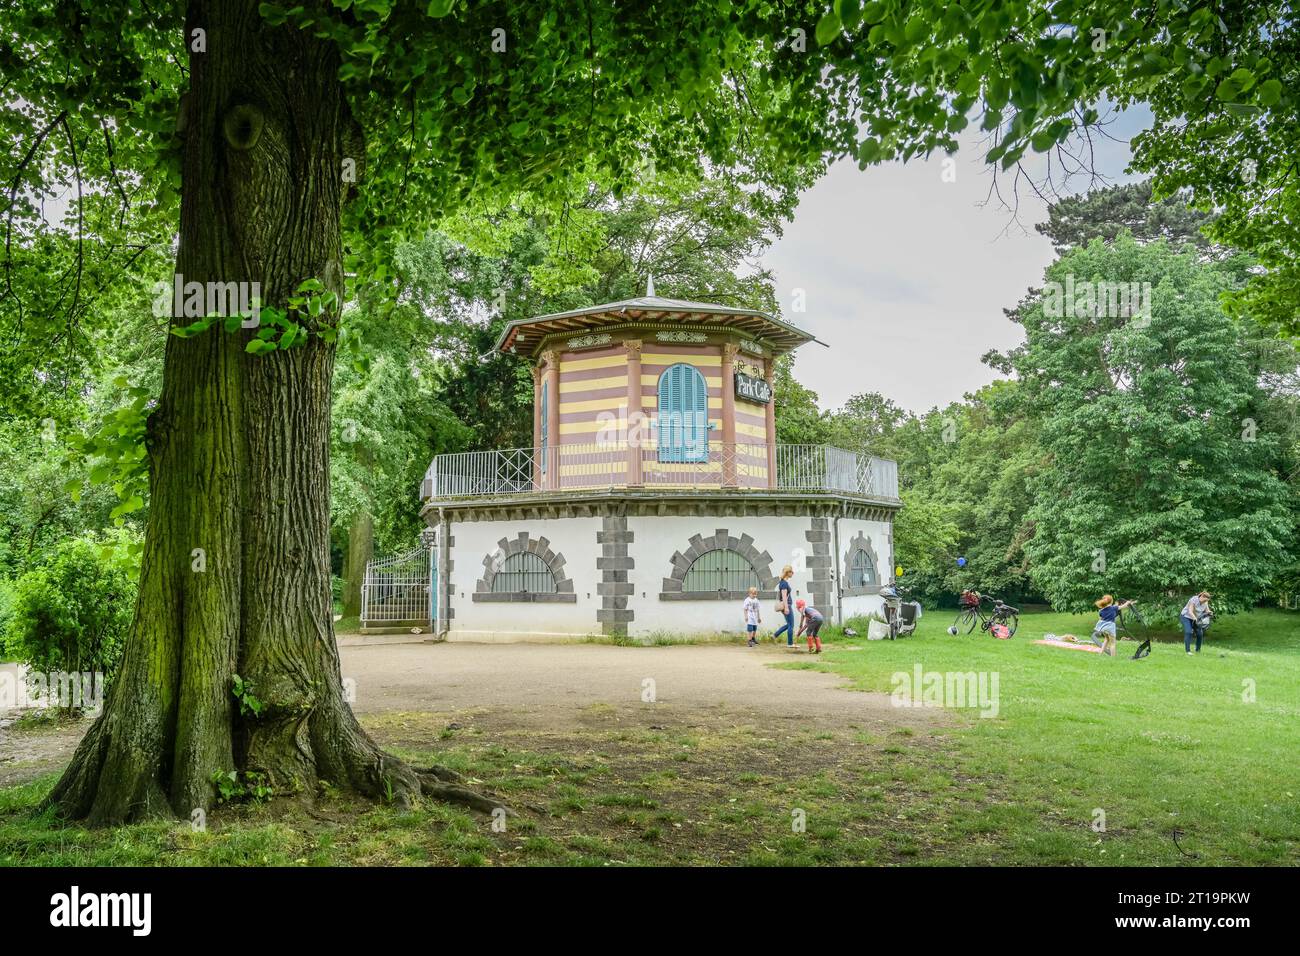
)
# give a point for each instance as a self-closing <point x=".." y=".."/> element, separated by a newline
<point x="548" y="685"/>
<point x="542" y="688"/>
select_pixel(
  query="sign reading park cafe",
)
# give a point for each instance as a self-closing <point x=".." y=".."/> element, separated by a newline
<point x="753" y="389"/>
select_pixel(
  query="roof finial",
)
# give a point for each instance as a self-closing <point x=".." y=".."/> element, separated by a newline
<point x="650" y="286"/>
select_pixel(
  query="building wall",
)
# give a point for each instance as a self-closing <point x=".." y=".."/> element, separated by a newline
<point x="620" y="571"/>
<point x="473" y="542"/>
<point x="879" y="534"/>
<point x="594" y="409"/>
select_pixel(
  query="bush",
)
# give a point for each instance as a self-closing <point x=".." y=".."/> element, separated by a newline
<point x="71" y="614"/>
<point x="6" y="612"/>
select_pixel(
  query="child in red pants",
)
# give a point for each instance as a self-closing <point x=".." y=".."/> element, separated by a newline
<point x="810" y="619"/>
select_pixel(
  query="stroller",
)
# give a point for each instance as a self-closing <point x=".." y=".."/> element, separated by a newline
<point x="901" y="616"/>
<point x="1132" y="625"/>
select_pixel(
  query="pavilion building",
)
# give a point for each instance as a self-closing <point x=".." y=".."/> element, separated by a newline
<point x="655" y="492"/>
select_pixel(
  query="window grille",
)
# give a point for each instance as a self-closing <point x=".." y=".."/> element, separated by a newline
<point x="862" y="569"/>
<point x="524" y="571"/>
<point x="720" y="570"/>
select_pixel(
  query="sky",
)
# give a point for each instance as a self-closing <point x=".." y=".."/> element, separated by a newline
<point x="904" y="276"/>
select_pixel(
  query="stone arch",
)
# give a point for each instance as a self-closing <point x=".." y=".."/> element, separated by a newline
<point x="721" y="539"/>
<point x="540" y="546"/>
<point x="860" y="542"/>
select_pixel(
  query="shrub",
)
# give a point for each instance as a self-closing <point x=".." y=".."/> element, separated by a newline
<point x="71" y="614"/>
<point x="6" y="612"/>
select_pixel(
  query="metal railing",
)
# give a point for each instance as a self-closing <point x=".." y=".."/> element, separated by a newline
<point x="397" y="588"/>
<point x="622" y="464"/>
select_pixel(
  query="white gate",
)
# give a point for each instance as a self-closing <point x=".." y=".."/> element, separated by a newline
<point x="398" y="590"/>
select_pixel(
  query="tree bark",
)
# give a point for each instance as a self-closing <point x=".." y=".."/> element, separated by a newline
<point x="361" y="548"/>
<point x="235" y="575"/>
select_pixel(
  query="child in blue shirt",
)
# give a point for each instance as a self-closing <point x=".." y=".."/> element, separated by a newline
<point x="1107" y="613"/>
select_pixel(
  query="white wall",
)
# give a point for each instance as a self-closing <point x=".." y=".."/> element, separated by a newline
<point x="881" y="536"/>
<point x="575" y="538"/>
<point x="655" y="540"/>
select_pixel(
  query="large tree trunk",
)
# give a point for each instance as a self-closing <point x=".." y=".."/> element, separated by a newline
<point x="239" y="462"/>
<point x="361" y="548"/>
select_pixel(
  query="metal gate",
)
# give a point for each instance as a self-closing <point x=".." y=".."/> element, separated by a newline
<point x="398" y="590"/>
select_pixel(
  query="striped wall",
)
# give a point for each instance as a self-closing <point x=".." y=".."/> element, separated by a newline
<point x="593" y="405"/>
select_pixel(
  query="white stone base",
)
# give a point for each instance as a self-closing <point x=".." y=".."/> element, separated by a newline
<point x="620" y="569"/>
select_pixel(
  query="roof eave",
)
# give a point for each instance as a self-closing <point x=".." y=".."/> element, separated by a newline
<point x="508" y="334"/>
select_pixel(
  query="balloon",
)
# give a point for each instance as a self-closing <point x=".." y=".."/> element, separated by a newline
<point x="898" y="571"/>
<point x="961" y="562"/>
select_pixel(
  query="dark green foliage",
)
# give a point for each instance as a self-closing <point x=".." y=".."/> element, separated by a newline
<point x="1105" y="213"/>
<point x="71" y="614"/>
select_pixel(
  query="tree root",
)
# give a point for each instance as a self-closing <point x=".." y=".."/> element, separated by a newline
<point x="445" y="774"/>
<point x="433" y="784"/>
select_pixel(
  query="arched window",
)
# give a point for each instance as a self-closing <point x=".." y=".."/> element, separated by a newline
<point x="720" y="570"/>
<point x="683" y="415"/>
<point x="862" y="569"/>
<point x="524" y="571"/>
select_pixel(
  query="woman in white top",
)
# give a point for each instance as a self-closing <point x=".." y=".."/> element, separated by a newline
<point x="1193" y="614"/>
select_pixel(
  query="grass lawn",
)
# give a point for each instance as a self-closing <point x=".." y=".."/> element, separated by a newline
<point x="1208" y="745"/>
<point x="1159" y="745"/>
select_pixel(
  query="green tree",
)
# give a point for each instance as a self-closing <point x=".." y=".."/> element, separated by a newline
<point x="1129" y="207"/>
<point x="293" y="146"/>
<point x="799" y="420"/>
<point x="1160" y="483"/>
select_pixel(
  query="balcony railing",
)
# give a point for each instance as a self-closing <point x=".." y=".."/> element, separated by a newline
<point x="577" y="467"/>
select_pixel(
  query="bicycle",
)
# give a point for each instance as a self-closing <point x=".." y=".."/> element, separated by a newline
<point x="1000" y="615"/>
<point x="1004" y="615"/>
<point x="972" y="613"/>
<point x="1138" y="631"/>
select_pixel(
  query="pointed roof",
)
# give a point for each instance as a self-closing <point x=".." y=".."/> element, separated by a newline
<point x="526" y="335"/>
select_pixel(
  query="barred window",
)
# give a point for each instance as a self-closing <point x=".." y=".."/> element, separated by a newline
<point x="720" y="570"/>
<point x="524" y="571"/>
<point x="862" y="569"/>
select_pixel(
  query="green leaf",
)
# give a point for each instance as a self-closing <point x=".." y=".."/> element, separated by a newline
<point x="849" y="12"/>
<point x="828" y="28"/>
<point x="1269" y="92"/>
<point x="1243" y="78"/>
<point x="440" y="8"/>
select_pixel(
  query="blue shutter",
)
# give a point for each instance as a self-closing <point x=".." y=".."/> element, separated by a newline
<point x="683" y="415"/>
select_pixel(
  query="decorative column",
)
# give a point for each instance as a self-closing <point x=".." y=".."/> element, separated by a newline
<point x="769" y="414"/>
<point x="636" y="423"/>
<point x="537" y="426"/>
<point x="551" y="376"/>
<point x="729" y="350"/>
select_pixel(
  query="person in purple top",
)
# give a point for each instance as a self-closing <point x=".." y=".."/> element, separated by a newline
<point x="1196" y="612"/>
